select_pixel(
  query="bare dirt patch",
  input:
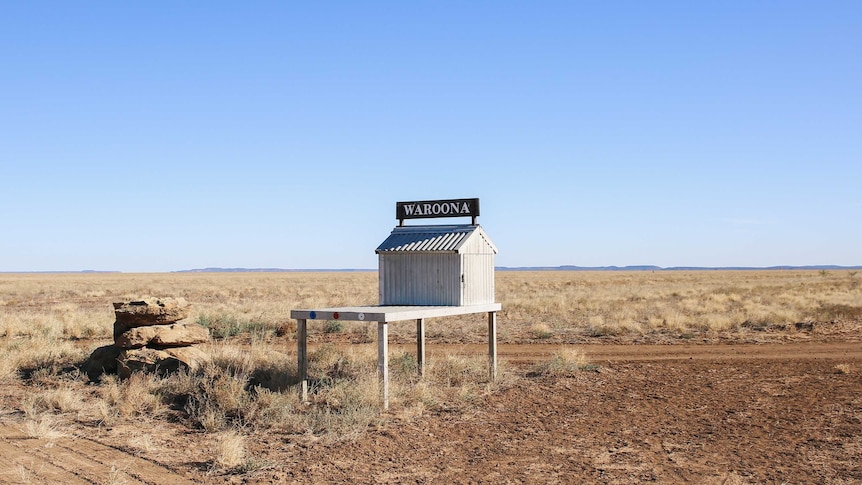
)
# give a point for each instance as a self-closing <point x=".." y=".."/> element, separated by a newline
<point x="75" y="459"/>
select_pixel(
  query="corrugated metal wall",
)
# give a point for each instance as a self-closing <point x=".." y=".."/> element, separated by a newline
<point x="420" y="279"/>
<point x="478" y="279"/>
<point x="477" y="259"/>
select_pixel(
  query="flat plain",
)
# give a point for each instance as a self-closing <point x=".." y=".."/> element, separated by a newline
<point x="605" y="377"/>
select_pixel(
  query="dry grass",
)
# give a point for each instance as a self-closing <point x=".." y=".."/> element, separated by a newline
<point x="137" y="396"/>
<point x="564" y="362"/>
<point x="552" y="305"/>
<point x="45" y="426"/>
<point x="599" y="304"/>
<point x="143" y="443"/>
<point x="230" y="450"/>
<point x="50" y="323"/>
<point x="63" y="400"/>
<point x="8" y="368"/>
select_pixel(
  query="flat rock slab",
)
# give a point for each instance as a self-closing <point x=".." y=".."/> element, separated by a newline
<point x="161" y="361"/>
<point x="172" y="335"/>
<point x="151" y="311"/>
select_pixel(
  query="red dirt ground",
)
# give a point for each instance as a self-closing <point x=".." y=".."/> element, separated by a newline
<point x="709" y="413"/>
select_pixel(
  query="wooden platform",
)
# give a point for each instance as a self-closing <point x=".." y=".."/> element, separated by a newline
<point x="383" y="315"/>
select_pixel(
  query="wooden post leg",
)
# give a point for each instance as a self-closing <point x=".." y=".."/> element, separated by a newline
<point x="420" y="345"/>
<point x="492" y="345"/>
<point x="302" y="357"/>
<point x="383" y="361"/>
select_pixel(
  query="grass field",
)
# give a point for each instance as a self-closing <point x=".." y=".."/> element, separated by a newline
<point x="49" y="323"/>
<point x="553" y="305"/>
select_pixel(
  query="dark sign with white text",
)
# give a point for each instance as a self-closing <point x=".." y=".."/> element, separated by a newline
<point x="437" y="208"/>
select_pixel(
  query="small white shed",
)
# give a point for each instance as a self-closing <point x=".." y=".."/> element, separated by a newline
<point x="437" y="265"/>
<point x="425" y="272"/>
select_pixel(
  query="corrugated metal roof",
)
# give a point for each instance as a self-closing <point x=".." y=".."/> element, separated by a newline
<point x="427" y="238"/>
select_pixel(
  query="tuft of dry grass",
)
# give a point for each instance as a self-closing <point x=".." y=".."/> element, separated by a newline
<point x="230" y="451"/>
<point x="541" y="330"/>
<point x="62" y="400"/>
<point x="344" y="409"/>
<point x="9" y="368"/>
<point x="135" y="396"/>
<point x="218" y="399"/>
<point x="564" y="362"/>
<point x="44" y="426"/>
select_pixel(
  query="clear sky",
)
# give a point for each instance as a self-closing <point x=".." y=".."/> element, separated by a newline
<point x="160" y="136"/>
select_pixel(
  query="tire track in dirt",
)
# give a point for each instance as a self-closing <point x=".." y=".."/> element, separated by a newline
<point x="642" y="353"/>
<point x="74" y="460"/>
<point x="20" y="466"/>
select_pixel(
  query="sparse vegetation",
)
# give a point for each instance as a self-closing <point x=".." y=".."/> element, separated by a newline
<point x="143" y="443"/>
<point x="541" y="331"/>
<point x="677" y="303"/>
<point x="556" y="306"/>
<point x="223" y="326"/>
<point x="230" y="449"/>
<point x="566" y="361"/>
<point x="139" y="395"/>
<point x="50" y="323"/>
<point x="44" y="426"/>
<point x="829" y="312"/>
<point x="333" y="326"/>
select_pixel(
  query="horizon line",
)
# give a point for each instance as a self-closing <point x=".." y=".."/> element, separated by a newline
<point x="497" y="268"/>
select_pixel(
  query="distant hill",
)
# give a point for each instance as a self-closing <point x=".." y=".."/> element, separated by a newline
<point x="672" y="268"/>
<point x="267" y="270"/>
<point x="644" y="267"/>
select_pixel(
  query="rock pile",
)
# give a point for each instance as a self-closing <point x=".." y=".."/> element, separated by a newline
<point x="147" y="338"/>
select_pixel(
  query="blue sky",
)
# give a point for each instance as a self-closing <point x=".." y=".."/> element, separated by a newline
<point x="160" y="136"/>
